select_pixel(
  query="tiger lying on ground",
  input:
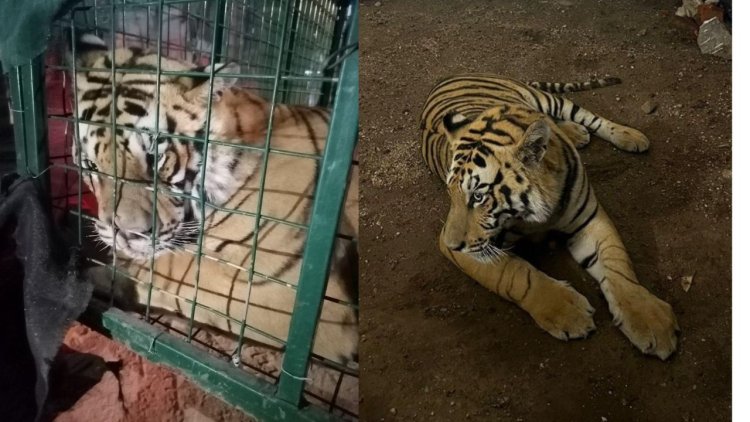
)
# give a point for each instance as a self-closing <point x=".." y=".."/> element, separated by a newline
<point x="507" y="152"/>
<point x="232" y="182"/>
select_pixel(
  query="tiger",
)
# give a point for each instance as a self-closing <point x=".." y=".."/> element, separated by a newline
<point x="228" y="177"/>
<point x="507" y="152"/>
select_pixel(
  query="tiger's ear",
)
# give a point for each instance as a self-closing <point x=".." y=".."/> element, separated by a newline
<point x="201" y="83"/>
<point x="88" y="48"/>
<point x="534" y="142"/>
<point x="220" y="69"/>
<point x="87" y="42"/>
<point x="453" y="121"/>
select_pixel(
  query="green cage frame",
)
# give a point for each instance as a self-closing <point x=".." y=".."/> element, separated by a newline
<point x="257" y="397"/>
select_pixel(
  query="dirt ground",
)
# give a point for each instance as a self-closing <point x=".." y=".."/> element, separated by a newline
<point x="438" y="346"/>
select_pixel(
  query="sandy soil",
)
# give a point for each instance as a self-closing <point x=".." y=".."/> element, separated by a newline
<point x="435" y="344"/>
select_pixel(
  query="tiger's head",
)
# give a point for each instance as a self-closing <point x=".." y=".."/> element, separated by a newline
<point x="496" y="178"/>
<point x="126" y="204"/>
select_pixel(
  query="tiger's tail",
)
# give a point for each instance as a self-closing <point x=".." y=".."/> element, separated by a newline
<point x="565" y="87"/>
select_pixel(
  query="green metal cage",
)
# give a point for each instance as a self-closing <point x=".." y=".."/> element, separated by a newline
<point x="290" y="51"/>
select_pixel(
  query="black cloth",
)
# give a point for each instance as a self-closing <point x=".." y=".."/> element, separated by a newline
<point x="25" y="28"/>
<point x="37" y="309"/>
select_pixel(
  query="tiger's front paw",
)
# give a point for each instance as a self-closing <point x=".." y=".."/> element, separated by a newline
<point x="576" y="132"/>
<point x="647" y="321"/>
<point x="562" y="311"/>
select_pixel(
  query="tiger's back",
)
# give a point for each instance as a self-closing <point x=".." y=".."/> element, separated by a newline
<point x="473" y="93"/>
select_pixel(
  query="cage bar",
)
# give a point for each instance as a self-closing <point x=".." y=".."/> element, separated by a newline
<point x="325" y="217"/>
<point x="292" y="51"/>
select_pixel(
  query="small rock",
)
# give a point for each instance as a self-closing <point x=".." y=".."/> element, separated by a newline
<point x="714" y="38"/>
<point x="686" y="282"/>
<point x="642" y="33"/>
<point x="648" y="107"/>
<point x="689" y="8"/>
<point x="378" y="4"/>
<point x="393" y="409"/>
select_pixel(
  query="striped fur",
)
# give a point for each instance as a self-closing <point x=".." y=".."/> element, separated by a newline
<point x="471" y="94"/>
<point x="512" y="170"/>
<point x="231" y="184"/>
<point x="562" y="88"/>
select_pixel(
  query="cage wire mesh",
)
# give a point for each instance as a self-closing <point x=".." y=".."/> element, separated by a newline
<point x="289" y="52"/>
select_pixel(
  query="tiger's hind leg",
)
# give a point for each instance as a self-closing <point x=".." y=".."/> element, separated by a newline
<point x="555" y="306"/>
<point x="576" y="132"/>
<point x="647" y="321"/>
<point x="623" y="137"/>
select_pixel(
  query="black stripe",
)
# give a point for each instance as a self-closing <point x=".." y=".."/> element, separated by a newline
<point x="582" y="207"/>
<point x="104" y="111"/>
<point x="525" y="199"/>
<point x="95" y="94"/>
<point x="505" y="190"/>
<point x="574" y="112"/>
<point x="134" y="109"/>
<point x="570" y="178"/>
<point x="310" y="131"/>
<point x="135" y="93"/>
<point x="325" y="115"/>
<point x="140" y="82"/>
<point x="590" y="260"/>
<point x="192" y="115"/>
<point x="479" y="161"/>
<point x="585" y="223"/>
<point x="238" y="123"/>
<point x="290" y="261"/>
<point x="620" y="274"/>
<point x="150" y="165"/>
<point x="97" y="80"/>
<point x="171" y="124"/>
<point x="528" y="286"/>
<point x="88" y="113"/>
<point x="244" y="239"/>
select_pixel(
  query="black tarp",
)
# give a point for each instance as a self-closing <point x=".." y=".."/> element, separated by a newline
<point x="40" y="296"/>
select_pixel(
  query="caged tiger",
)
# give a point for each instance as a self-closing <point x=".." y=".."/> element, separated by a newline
<point x="507" y="153"/>
<point x="232" y="188"/>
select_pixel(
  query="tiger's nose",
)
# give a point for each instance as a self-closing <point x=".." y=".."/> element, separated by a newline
<point x="458" y="247"/>
<point x="138" y="225"/>
<point x="453" y="238"/>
